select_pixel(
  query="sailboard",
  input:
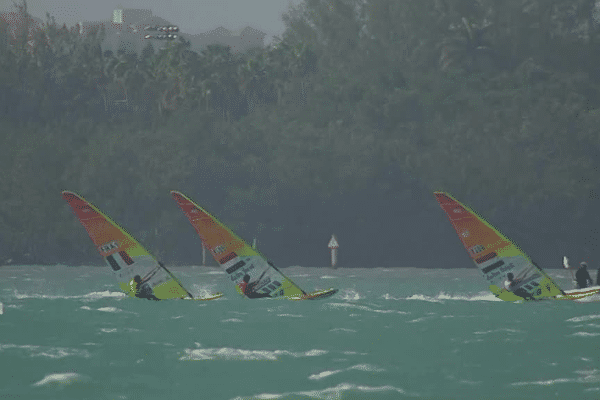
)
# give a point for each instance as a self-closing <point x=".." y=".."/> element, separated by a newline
<point x="125" y="256"/>
<point x="239" y="260"/>
<point x="496" y="256"/>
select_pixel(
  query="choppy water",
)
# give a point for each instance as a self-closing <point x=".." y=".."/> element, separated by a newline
<point x="66" y="333"/>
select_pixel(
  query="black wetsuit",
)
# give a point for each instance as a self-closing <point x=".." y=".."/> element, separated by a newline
<point x="520" y="291"/>
<point x="251" y="294"/>
<point x="583" y="279"/>
<point x="144" y="291"/>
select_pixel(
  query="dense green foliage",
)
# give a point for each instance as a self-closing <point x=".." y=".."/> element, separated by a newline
<point x="500" y="97"/>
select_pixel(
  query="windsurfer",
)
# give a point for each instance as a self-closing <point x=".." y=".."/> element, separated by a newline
<point x="511" y="283"/>
<point x="142" y="289"/>
<point x="248" y="288"/>
<point x="582" y="276"/>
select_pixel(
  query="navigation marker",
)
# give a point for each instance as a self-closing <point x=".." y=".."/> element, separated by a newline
<point x="333" y="246"/>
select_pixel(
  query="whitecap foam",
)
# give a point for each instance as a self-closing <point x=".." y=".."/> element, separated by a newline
<point x="441" y="297"/>
<point x="360" y="307"/>
<point x="108" y="330"/>
<point x="419" y="319"/>
<point x="47" y="351"/>
<point x="88" y="296"/>
<point x="226" y="353"/>
<point x="65" y="378"/>
<point x="109" y="309"/>
<point x="324" y="374"/>
<point x="497" y="330"/>
<point x="424" y="298"/>
<point x="328" y="277"/>
<point x="349" y="295"/>
<point x="336" y="392"/>
<point x="232" y="320"/>
<point x="545" y="383"/>
<point x="290" y="315"/>
<point x="342" y="329"/>
<point x="584" y="318"/>
<point x="585" y="334"/>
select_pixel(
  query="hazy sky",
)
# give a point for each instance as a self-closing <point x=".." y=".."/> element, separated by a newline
<point x="192" y="16"/>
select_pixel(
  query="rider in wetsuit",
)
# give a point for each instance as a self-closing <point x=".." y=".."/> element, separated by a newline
<point x="248" y="288"/>
<point x="143" y="290"/>
<point x="582" y="276"/>
<point x="512" y="282"/>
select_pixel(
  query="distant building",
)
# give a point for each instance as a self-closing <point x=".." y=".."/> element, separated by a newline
<point x="130" y="15"/>
<point x="125" y="31"/>
<point x="13" y="24"/>
<point x="239" y="40"/>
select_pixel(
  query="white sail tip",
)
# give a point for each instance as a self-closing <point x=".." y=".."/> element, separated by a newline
<point x="1" y="308"/>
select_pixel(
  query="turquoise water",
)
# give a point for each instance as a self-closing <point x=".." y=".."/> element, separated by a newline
<point x="67" y="333"/>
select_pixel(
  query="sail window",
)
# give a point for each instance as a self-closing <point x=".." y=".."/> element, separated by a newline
<point x="235" y="267"/>
<point x="228" y="257"/>
<point x="485" y="258"/>
<point x="493" y="266"/>
<point x="477" y="249"/>
<point x="126" y="258"/>
<point x="113" y="263"/>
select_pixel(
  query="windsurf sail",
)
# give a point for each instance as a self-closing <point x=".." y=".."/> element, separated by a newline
<point x="235" y="256"/>
<point x="123" y="254"/>
<point x="496" y="256"/>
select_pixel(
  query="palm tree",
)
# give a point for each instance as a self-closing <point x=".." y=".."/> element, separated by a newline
<point x="466" y="47"/>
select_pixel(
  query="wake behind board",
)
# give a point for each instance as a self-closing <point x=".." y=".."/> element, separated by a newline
<point x="579" y="294"/>
<point x="124" y="255"/>
<point x="496" y="256"/>
<point x="238" y="259"/>
<point x="211" y="297"/>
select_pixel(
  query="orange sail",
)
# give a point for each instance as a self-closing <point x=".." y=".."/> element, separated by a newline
<point x="496" y="256"/>
<point x="123" y="254"/>
<point x="240" y="260"/>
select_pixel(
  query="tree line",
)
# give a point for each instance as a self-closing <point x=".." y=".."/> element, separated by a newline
<point x="471" y="96"/>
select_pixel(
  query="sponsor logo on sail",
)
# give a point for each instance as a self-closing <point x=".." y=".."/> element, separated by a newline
<point x="219" y="249"/>
<point x="108" y="247"/>
<point x="476" y="249"/>
<point x="485" y="258"/>
<point x="228" y="257"/>
<point x="465" y="234"/>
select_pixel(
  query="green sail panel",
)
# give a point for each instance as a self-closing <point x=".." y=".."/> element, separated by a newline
<point x="123" y="254"/>
<point x="235" y="256"/>
<point x="496" y="256"/>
